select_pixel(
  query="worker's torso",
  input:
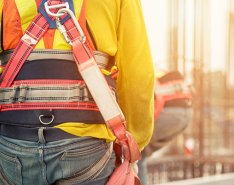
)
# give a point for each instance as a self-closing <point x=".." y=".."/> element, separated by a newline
<point x="17" y="15"/>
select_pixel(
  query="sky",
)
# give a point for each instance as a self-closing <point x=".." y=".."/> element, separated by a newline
<point x="153" y="13"/>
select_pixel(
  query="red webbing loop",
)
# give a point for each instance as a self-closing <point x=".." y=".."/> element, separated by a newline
<point x="124" y="175"/>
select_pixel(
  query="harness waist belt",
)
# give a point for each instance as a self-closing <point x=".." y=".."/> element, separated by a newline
<point x="45" y="93"/>
<point x="101" y="58"/>
<point x="31" y="118"/>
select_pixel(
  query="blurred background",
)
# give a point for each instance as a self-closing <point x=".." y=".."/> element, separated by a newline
<point x="196" y="37"/>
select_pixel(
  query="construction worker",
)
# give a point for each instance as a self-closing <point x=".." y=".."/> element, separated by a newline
<point x="173" y="113"/>
<point x="51" y="129"/>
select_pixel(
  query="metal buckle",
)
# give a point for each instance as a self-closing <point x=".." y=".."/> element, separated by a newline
<point x="49" y="7"/>
<point x="45" y="10"/>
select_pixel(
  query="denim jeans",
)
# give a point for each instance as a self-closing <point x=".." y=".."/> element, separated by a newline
<point x="67" y="161"/>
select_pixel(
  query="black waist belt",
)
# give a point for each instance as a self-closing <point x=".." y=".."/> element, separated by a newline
<point x="31" y="134"/>
<point x="34" y="118"/>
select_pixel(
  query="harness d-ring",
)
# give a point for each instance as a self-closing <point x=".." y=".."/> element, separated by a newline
<point x="46" y="123"/>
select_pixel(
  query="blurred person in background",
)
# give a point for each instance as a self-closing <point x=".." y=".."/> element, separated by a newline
<point x="173" y="113"/>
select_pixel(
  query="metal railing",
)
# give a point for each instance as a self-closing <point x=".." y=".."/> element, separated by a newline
<point x="175" y="168"/>
<point x="224" y="179"/>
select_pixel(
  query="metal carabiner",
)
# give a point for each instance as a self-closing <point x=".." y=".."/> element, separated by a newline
<point x="62" y="29"/>
<point x="63" y="6"/>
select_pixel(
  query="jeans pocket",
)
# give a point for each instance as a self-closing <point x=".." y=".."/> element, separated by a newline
<point x="85" y="167"/>
<point x="78" y="151"/>
<point x="10" y="170"/>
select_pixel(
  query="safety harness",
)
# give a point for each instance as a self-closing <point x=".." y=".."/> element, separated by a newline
<point x="172" y="90"/>
<point x="18" y="94"/>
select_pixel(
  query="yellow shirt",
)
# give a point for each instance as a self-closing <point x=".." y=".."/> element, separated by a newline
<point x="118" y="30"/>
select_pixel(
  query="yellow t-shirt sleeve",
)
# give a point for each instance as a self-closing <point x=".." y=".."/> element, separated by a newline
<point x="135" y="85"/>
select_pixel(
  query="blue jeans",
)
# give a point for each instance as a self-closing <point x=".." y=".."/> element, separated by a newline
<point x="69" y="161"/>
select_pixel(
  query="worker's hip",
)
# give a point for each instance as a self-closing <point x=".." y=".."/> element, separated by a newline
<point x="82" y="160"/>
